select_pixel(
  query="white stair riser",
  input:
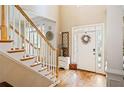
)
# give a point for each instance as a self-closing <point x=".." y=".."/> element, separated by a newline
<point x="5" y="46"/>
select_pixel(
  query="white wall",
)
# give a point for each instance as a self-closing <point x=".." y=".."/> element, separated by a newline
<point x="114" y="37"/>
<point x="19" y="75"/>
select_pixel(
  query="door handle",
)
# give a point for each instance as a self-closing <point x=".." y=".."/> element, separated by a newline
<point x="94" y="53"/>
<point x="94" y="50"/>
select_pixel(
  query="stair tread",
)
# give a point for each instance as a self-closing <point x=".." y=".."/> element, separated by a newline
<point x="36" y="64"/>
<point x="6" y="41"/>
<point x="48" y="73"/>
<point x="16" y="50"/>
<point x="42" y="69"/>
<point x="53" y="76"/>
<point x="27" y="58"/>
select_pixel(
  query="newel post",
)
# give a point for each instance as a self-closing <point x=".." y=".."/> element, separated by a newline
<point x="3" y="24"/>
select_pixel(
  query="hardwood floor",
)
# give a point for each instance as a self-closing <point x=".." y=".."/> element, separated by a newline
<point x="78" y="78"/>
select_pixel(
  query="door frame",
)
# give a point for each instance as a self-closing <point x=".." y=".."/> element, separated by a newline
<point x="77" y="29"/>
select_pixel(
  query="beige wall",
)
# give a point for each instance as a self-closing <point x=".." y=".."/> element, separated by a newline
<point x="71" y="16"/>
<point x="47" y="11"/>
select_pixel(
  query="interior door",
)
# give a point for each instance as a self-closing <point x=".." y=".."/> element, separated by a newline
<point x="86" y="51"/>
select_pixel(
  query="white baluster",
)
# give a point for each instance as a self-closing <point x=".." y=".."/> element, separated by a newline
<point x="10" y="22"/>
<point x="37" y="48"/>
<point x="53" y="56"/>
<point x="33" y="43"/>
<point x="47" y="56"/>
<point x="0" y="21"/>
<point x="29" y="47"/>
<point x="13" y="24"/>
<point x="25" y="46"/>
<point x="26" y="37"/>
<point x="24" y="42"/>
<point x="17" y="28"/>
<point x="20" y="42"/>
<point x="52" y="60"/>
<point x="55" y="63"/>
<point x="7" y="20"/>
<point x="16" y="36"/>
<point x="35" y="51"/>
<point x="43" y="53"/>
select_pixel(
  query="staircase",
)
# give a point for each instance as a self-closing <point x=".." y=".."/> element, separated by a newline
<point x="23" y="42"/>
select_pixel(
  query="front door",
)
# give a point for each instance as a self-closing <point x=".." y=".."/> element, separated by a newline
<point x="86" y="47"/>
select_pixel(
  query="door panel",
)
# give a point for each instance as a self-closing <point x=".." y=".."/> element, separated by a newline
<point x="86" y="52"/>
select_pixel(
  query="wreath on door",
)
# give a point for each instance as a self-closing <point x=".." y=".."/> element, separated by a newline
<point x="86" y="39"/>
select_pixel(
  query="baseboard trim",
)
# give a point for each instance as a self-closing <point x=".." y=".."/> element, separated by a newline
<point x="92" y="72"/>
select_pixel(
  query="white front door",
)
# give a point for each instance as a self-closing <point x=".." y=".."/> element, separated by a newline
<point x="86" y="58"/>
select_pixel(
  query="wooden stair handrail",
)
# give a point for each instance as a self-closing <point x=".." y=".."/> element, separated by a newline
<point x="32" y="24"/>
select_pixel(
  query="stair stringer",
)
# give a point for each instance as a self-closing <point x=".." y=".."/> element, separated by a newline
<point x="19" y="75"/>
<point x="4" y="47"/>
